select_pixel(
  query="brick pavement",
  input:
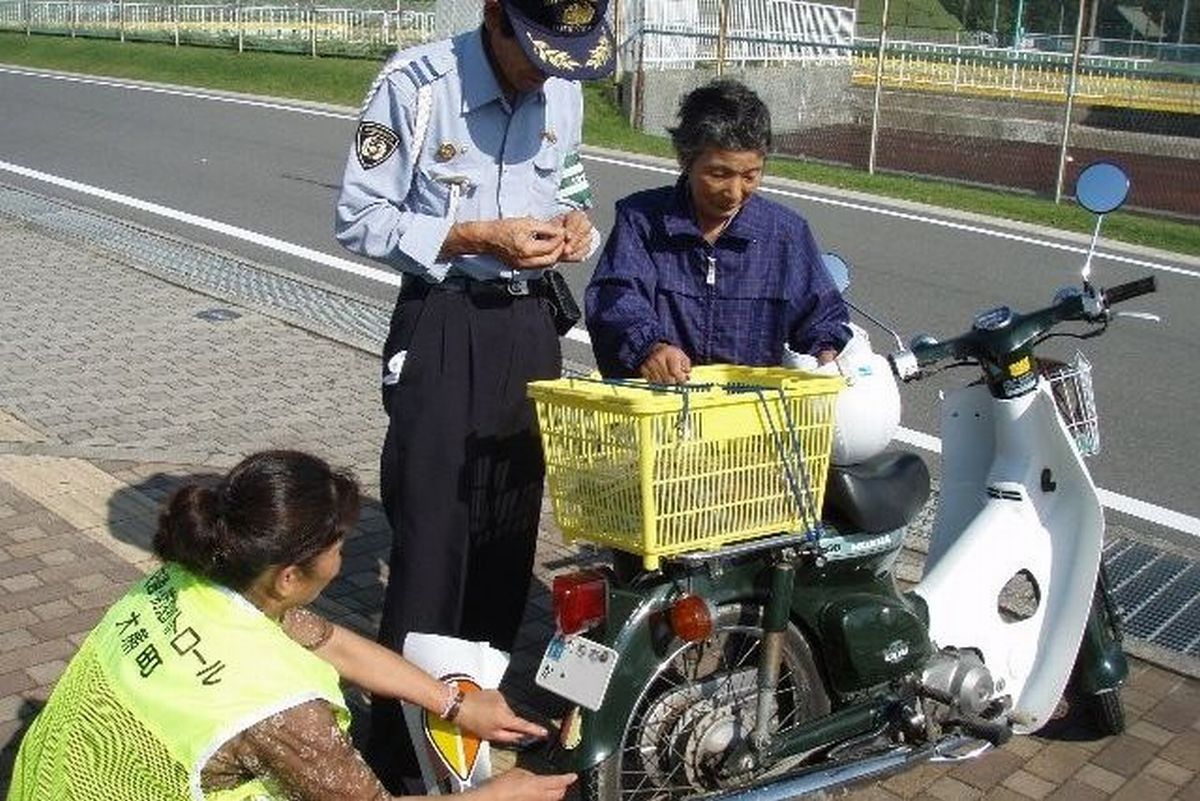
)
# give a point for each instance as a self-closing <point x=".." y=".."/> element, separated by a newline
<point x="113" y="392"/>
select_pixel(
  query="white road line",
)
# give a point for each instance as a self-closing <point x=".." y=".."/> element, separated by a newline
<point x="233" y="231"/>
<point x="1122" y="503"/>
<point x="166" y="90"/>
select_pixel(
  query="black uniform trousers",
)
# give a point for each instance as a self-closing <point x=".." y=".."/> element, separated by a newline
<point x="461" y="477"/>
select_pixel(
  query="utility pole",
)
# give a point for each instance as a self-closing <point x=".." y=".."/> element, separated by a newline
<point x="883" y="26"/>
<point x="1072" y="85"/>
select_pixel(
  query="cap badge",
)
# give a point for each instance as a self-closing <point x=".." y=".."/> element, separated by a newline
<point x="578" y="15"/>
<point x="446" y="151"/>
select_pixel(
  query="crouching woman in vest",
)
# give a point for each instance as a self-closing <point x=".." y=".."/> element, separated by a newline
<point x="210" y="680"/>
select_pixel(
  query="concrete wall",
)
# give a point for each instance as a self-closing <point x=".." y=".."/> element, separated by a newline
<point x="799" y="96"/>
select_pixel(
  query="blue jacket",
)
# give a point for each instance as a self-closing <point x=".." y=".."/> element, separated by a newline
<point x="734" y="302"/>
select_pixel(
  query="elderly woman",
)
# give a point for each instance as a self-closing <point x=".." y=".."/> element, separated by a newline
<point x="707" y="271"/>
<point x="210" y="680"/>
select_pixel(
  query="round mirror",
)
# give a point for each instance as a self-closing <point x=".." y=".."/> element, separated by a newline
<point x="1102" y="187"/>
<point x="838" y="270"/>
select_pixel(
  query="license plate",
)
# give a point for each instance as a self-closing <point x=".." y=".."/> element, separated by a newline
<point x="577" y="669"/>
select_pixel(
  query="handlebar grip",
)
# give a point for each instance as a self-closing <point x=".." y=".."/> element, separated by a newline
<point x="1120" y="292"/>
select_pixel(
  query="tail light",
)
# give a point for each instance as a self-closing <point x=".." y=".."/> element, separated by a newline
<point x="691" y="618"/>
<point x="580" y="601"/>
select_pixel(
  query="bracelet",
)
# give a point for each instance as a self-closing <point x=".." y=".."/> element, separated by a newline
<point x="454" y="700"/>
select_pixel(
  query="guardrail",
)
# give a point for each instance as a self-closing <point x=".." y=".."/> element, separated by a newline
<point x="303" y="28"/>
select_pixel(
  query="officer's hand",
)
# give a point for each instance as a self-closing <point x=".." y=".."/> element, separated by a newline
<point x="578" y="229"/>
<point x="526" y="244"/>
<point x="519" y="784"/>
<point x="486" y="714"/>
<point x="666" y="364"/>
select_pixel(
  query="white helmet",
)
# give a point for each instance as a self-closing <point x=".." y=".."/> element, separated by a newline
<point x="868" y="409"/>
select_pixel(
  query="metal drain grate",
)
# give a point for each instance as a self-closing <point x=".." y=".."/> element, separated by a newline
<point x="1158" y="593"/>
<point x="210" y="272"/>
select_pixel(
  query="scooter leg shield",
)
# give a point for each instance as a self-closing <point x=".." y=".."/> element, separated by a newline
<point x="1048" y="532"/>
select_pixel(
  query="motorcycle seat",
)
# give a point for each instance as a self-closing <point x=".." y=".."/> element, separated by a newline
<point x="879" y="494"/>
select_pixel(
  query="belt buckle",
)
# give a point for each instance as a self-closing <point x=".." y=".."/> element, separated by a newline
<point x="517" y="287"/>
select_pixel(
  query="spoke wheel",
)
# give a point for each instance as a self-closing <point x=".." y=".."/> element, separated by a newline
<point x="698" y="707"/>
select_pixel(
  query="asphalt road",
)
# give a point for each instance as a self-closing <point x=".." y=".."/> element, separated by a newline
<point x="272" y="169"/>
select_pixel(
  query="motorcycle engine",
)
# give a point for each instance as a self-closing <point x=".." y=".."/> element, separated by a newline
<point x="960" y="680"/>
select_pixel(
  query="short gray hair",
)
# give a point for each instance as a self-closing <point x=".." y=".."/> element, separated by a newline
<point x="724" y="114"/>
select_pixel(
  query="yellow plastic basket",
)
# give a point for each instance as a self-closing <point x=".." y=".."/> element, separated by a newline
<point x="658" y="471"/>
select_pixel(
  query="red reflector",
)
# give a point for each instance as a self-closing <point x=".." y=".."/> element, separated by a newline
<point x="580" y="601"/>
<point x="691" y="618"/>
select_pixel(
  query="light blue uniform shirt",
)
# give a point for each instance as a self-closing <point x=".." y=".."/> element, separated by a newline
<point x="502" y="160"/>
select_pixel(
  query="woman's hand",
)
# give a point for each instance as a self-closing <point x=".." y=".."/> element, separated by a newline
<point x="666" y="364"/>
<point x="486" y="714"/>
<point x="519" y="784"/>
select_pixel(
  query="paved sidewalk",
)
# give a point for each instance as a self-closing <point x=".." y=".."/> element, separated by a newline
<point x="116" y="387"/>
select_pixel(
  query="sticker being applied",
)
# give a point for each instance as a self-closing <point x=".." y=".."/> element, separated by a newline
<point x="374" y="143"/>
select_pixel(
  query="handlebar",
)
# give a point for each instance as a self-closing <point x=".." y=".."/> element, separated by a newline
<point x="1133" y="289"/>
<point x="1000" y="335"/>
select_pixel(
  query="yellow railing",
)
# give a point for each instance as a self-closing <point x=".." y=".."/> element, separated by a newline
<point x="1028" y="81"/>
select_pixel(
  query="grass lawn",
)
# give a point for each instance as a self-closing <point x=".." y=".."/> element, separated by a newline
<point x="345" y="81"/>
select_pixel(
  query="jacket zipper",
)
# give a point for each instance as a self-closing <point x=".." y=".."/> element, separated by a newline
<point x="710" y="279"/>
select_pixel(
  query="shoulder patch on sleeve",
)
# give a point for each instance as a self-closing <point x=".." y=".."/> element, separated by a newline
<point x="374" y="144"/>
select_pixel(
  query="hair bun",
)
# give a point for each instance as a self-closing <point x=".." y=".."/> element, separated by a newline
<point x="190" y="529"/>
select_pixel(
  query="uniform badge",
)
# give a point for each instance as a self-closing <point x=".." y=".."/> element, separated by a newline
<point x="550" y="136"/>
<point x="446" y="151"/>
<point x="374" y="143"/>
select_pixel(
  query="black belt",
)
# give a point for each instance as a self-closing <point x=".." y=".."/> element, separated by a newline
<point x="414" y="287"/>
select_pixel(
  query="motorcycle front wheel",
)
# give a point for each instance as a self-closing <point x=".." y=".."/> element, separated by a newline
<point x="698" y="706"/>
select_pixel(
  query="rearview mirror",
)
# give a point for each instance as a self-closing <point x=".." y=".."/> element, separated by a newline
<point x="838" y="269"/>
<point x="1102" y="187"/>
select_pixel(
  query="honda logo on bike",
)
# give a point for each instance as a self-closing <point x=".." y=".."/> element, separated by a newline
<point x="895" y="652"/>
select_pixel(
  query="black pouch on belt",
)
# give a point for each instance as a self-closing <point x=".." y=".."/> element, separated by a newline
<point x="566" y="310"/>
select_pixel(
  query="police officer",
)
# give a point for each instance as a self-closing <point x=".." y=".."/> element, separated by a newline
<point x="465" y="175"/>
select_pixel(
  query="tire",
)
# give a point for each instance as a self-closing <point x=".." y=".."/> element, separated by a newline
<point x="697" y="706"/>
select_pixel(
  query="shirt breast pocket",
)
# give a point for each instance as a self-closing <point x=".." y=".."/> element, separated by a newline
<point x="440" y="188"/>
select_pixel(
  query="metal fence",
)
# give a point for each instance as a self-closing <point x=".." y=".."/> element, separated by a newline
<point x="297" y="28"/>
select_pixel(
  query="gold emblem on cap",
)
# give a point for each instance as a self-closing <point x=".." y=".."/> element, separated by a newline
<point x="446" y="151"/>
<point x="578" y="15"/>
<point x="599" y="55"/>
<point x="560" y="59"/>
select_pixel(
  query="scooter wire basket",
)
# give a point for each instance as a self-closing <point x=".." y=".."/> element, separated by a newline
<point x="1071" y="386"/>
<point x="656" y="470"/>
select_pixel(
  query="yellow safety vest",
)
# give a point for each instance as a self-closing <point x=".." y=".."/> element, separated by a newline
<point x="174" y="670"/>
